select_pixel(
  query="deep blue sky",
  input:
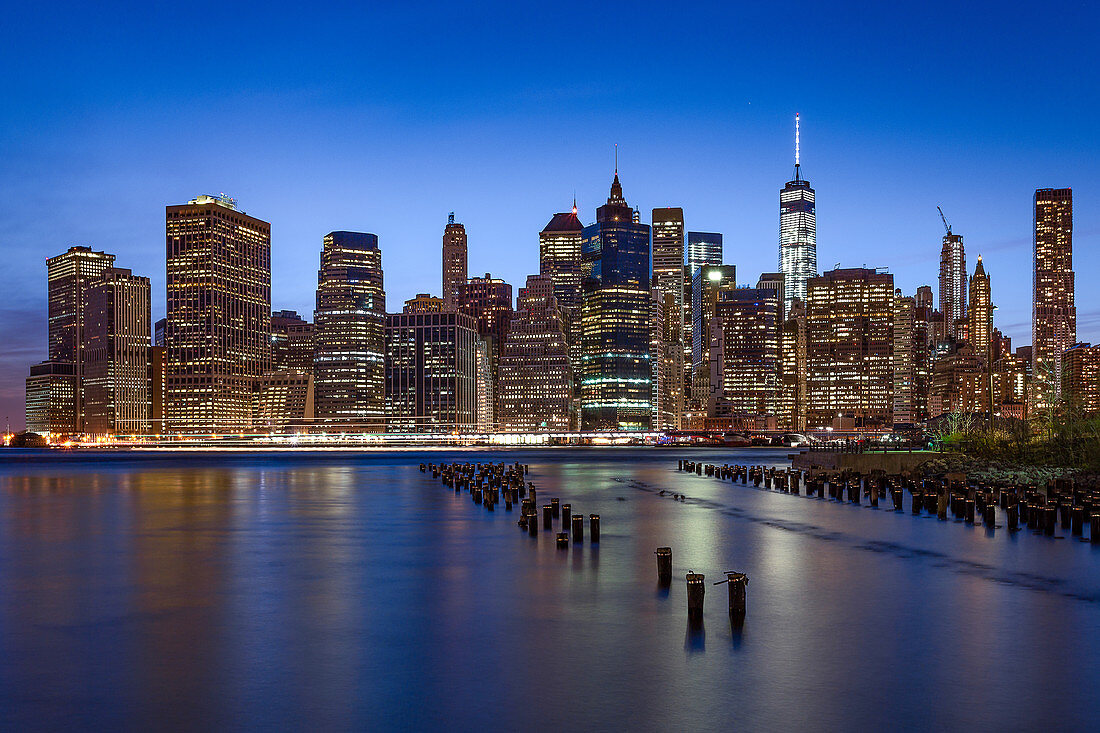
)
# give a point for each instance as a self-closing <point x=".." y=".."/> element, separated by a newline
<point x="385" y="117"/>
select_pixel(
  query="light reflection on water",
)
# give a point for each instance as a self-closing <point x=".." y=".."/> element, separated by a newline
<point x="352" y="591"/>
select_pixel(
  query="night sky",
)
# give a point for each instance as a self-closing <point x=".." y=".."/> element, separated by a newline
<point x="385" y="117"/>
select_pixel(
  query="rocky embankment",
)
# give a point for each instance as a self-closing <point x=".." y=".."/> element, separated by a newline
<point x="998" y="472"/>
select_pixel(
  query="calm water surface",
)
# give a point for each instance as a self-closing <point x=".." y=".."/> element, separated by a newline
<point x="350" y="591"/>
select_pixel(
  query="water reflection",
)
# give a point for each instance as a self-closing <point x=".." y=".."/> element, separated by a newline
<point x="352" y="591"/>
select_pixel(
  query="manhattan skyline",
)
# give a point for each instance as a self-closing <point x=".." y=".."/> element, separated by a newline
<point x="322" y="149"/>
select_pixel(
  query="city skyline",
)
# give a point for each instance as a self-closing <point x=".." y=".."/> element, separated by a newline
<point x="879" y="162"/>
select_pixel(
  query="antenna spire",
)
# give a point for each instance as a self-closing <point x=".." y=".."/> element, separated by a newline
<point x="616" y="159"/>
<point x="795" y="139"/>
<point x="574" y="202"/>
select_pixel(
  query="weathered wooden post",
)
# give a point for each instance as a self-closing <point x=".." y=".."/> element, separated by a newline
<point x="696" y="591"/>
<point x="664" y="566"/>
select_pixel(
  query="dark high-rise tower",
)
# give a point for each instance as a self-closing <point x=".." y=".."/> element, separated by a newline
<point x="1054" y="316"/>
<point x="797" y="231"/>
<point x="703" y="248"/>
<point x="68" y="277"/>
<point x="349" y="333"/>
<point x="219" y="314"/>
<point x="616" y="379"/>
<point x="454" y="262"/>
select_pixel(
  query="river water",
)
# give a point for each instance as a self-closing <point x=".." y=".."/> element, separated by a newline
<point x="336" y="591"/>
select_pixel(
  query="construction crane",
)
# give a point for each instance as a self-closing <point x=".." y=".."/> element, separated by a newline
<point x="945" y="224"/>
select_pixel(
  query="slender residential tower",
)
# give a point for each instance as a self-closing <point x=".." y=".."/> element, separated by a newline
<point x="952" y="279"/>
<point x="1054" y="316"/>
<point x="797" y="231"/>
<point x="454" y="262"/>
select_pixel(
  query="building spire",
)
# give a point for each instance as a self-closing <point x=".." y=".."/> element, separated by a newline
<point x="616" y="196"/>
<point x="797" y="177"/>
<point x="574" y="202"/>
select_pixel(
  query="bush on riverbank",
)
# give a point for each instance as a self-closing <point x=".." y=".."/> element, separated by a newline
<point x="1062" y="442"/>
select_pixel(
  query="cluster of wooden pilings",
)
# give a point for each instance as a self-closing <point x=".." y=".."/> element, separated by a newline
<point x="491" y="483"/>
<point x="1060" y="505"/>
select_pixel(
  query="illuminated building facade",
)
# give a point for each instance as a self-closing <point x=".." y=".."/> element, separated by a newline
<point x="158" y="388"/>
<point x="953" y="282"/>
<point x="616" y="374"/>
<point x="959" y="383"/>
<point x="746" y="329"/>
<point x="668" y="279"/>
<point x="116" y="371"/>
<point x="219" y="314"/>
<point x="536" y="384"/>
<point x="488" y="301"/>
<point x="907" y="354"/>
<point x="424" y="303"/>
<point x="980" y="313"/>
<point x="51" y="398"/>
<point x="349" y="324"/>
<point x="792" y="369"/>
<point x="560" y="257"/>
<point x="485" y="388"/>
<point x="68" y="277"/>
<point x="703" y="248"/>
<point x="292" y="344"/>
<point x="707" y="286"/>
<point x="797" y="232"/>
<point x="283" y="400"/>
<point x="1054" y="315"/>
<point x="1081" y="378"/>
<point x="775" y="282"/>
<point x="849" y="344"/>
<point x="431" y="373"/>
<point x="666" y="355"/>
<point x="454" y="262"/>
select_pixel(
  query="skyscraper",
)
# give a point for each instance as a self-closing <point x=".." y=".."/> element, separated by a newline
<point x="666" y="357"/>
<point x="980" y="313"/>
<point x="668" y="251"/>
<point x="1054" y="316"/>
<point x="748" y="367"/>
<point x="291" y="342"/>
<point x="703" y="248"/>
<point x="488" y="300"/>
<point x="776" y="282"/>
<point x="431" y="372"/>
<point x="849" y="344"/>
<point x="905" y="359"/>
<point x="616" y="376"/>
<point x="952" y="281"/>
<point x="68" y="277"/>
<point x="536" y="384"/>
<point x="349" y="323"/>
<point x="797" y="231"/>
<point x="219" y="314"/>
<point x="51" y="398"/>
<point x="668" y="280"/>
<point x="454" y="262"/>
<point x="116" y="374"/>
<point x="707" y="285"/>
<point x="1081" y="378"/>
<point x="560" y="256"/>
